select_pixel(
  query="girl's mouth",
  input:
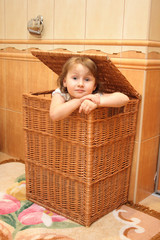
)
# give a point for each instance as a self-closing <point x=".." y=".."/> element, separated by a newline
<point x="80" y="90"/>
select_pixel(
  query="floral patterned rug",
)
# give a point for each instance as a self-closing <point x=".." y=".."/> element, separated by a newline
<point x="21" y="219"/>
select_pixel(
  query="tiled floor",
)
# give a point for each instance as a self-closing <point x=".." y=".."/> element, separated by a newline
<point x="153" y="201"/>
<point x="4" y="156"/>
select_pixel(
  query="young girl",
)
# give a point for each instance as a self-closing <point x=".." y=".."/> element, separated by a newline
<point x="79" y="88"/>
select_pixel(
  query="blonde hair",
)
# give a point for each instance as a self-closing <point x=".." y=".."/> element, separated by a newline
<point x="85" y="61"/>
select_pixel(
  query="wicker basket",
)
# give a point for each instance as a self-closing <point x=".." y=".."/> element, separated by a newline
<point x="78" y="167"/>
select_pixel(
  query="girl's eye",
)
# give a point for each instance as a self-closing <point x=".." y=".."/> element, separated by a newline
<point x="74" y="78"/>
<point x="87" y="79"/>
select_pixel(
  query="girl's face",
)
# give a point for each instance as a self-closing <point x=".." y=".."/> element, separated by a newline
<point x="79" y="81"/>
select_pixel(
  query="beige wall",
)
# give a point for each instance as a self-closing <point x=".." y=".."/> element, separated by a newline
<point x="81" y="19"/>
<point x="128" y="31"/>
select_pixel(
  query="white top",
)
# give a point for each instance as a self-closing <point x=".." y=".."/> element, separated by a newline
<point x="66" y="96"/>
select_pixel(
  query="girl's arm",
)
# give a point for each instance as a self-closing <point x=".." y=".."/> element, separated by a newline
<point x="92" y="101"/>
<point x="60" y="109"/>
<point x="87" y="106"/>
<point x="115" y="99"/>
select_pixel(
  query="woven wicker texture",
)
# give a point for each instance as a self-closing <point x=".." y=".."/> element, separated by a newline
<point x="80" y="166"/>
<point x="82" y="174"/>
<point x="112" y="80"/>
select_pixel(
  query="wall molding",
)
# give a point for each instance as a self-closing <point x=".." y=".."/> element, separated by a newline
<point x="120" y="62"/>
<point x="105" y="42"/>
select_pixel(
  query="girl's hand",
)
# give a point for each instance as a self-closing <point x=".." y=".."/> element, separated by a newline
<point x="95" y="98"/>
<point x="87" y="106"/>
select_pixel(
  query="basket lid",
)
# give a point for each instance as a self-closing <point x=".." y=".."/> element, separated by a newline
<point x="112" y="80"/>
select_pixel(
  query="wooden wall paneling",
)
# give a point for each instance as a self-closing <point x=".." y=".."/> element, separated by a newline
<point x="40" y="77"/>
<point x="16" y="83"/>
<point x="151" y="113"/>
<point x="2" y="84"/>
<point x="2" y="130"/>
<point x="147" y="168"/>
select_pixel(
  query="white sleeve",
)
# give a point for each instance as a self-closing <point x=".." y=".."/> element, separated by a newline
<point x="64" y="95"/>
<point x="57" y="91"/>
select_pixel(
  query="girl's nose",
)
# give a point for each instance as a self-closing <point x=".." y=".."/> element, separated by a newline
<point x="80" y="82"/>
